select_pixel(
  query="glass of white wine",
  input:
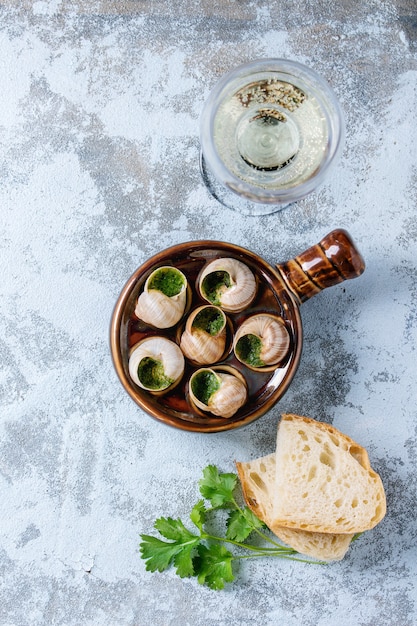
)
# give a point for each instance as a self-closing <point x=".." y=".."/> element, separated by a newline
<point x="270" y="130"/>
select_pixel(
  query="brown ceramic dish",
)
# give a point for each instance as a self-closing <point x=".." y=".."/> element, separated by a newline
<point x="280" y="291"/>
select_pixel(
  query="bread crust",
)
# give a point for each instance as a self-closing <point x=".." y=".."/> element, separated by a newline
<point x="272" y="491"/>
<point x="321" y="546"/>
<point x="353" y="499"/>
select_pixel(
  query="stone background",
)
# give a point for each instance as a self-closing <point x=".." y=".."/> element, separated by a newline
<point x="99" y="147"/>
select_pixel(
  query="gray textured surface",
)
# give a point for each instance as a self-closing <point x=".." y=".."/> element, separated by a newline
<point x="99" y="170"/>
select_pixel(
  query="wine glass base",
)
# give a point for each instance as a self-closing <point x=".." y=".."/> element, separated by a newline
<point x="232" y="200"/>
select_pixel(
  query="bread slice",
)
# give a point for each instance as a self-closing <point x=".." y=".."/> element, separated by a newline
<point x="323" y="480"/>
<point x="258" y="484"/>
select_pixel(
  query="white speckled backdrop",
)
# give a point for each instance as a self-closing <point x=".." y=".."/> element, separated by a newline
<point x="99" y="170"/>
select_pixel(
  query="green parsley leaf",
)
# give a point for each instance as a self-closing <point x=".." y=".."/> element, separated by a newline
<point x="159" y="554"/>
<point x="183" y="561"/>
<point x="218" y="488"/>
<point x="173" y="529"/>
<point x="240" y="524"/>
<point x="213" y="566"/>
<point x="198" y="514"/>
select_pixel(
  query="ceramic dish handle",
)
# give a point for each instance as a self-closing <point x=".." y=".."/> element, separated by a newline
<point x="334" y="259"/>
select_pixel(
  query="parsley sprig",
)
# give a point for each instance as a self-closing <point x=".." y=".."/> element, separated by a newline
<point x="203" y="554"/>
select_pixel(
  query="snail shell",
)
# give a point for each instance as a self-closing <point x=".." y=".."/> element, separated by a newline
<point x="228" y="283"/>
<point x="156" y="364"/>
<point x="217" y="392"/>
<point x="204" y="338"/>
<point x="163" y="300"/>
<point x="261" y="341"/>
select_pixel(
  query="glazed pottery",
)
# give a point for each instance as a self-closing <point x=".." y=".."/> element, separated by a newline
<point x="280" y="292"/>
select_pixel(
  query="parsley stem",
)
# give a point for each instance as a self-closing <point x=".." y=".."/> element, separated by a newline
<point x="281" y="556"/>
<point x="277" y="546"/>
<point x="262" y="551"/>
<point x="263" y="535"/>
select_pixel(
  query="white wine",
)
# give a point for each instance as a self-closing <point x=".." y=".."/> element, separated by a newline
<point x="270" y="130"/>
<point x="271" y="134"/>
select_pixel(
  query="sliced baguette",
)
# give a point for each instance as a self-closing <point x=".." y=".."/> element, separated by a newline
<point x="323" y="480"/>
<point x="258" y="483"/>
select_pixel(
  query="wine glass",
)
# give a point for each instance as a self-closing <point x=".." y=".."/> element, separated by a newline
<point x="270" y="130"/>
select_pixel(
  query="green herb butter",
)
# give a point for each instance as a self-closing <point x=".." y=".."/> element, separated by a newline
<point x="214" y="285"/>
<point x="151" y="374"/>
<point x="167" y="280"/>
<point x="204" y="385"/>
<point x="210" y="320"/>
<point x="248" y="349"/>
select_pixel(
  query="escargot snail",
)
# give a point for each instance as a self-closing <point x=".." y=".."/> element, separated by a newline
<point x="228" y="283"/>
<point x="156" y="364"/>
<point x="217" y="392"/>
<point x="163" y="300"/>
<point x="204" y="338"/>
<point x="261" y="341"/>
